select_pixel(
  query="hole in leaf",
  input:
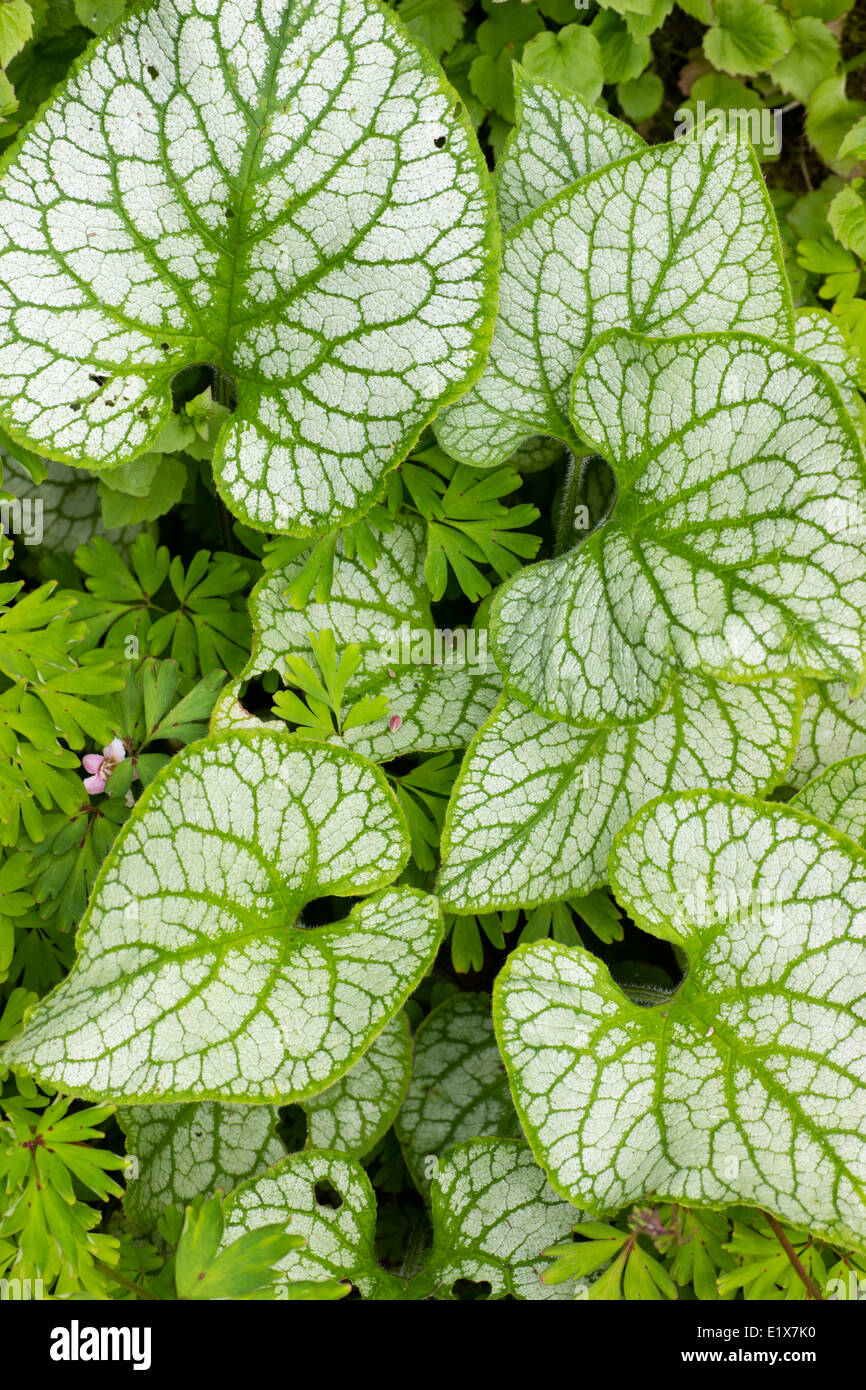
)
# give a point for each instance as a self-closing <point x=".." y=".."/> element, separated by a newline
<point x="99" y="378"/>
<point x="322" y="912"/>
<point x="398" y="767"/>
<point x="439" y="141"/>
<point x="645" y="967"/>
<point x="190" y="381"/>
<point x="151" y="71"/>
<point x="326" y="1194"/>
<point x="467" y="1290"/>
<point x="229" y="211"/>
<point x="257" y="696"/>
<point x="292" y="1128"/>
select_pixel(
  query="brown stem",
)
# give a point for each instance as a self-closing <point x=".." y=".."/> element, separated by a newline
<point x="811" y="1287"/>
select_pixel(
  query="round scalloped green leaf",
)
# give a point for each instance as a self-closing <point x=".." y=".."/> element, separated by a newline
<point x="439" y="706"/>
<point x="734" y="460"/>
<point x="197" y="978"/>
<point x="459" y="1088"/>
<point x="669" y="240"/>
<point x="747" y="36"/>
<point x="537" y="803"/>
<point x="837" y="796"/>
<point x="557" y="139"/>
<point x="833" y="727"/>
<point x="749" y="1083"/>
<point x="288" y="192"/>
<point x="178" y="1152"/>
<point x="493" y="1215"/>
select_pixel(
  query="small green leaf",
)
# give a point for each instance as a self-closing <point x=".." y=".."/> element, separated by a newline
<point x="99" y="14"/>
<point x="847" y="218"/>
<point x="748" y="36"/>
<point x="622" y="56"/>
<point x="241" y="1269"/>
<point x="16" y="27"/>
<point x="812" y="58"/>
<point x="641" y="97"/>
<point x="830" y="116"/>
<point x="570" y="57"/>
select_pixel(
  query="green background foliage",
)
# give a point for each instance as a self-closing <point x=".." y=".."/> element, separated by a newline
<point x="137" y="616"/>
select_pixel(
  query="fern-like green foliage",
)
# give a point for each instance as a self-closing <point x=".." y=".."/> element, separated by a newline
<point x="47" y="705"/>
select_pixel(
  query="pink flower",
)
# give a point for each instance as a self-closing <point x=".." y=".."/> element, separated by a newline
<point x="101" y="765"/>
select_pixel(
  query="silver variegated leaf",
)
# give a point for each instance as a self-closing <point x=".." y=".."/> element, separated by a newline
<point x="748" y="1084"/>
<point x="198" y="977"/>
<point x="286" y="191"/>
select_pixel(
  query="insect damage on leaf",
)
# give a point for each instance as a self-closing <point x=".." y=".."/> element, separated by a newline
<point x="493" y="1215"/>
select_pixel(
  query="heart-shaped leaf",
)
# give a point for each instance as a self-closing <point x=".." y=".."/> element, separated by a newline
<point x="706" y="258"/>
<point x="493" y="1215"/>
<point x="735" y="462"/>
<point x="537" y="803"/>
<point x="290" y="195"/>
<point x="749" y="1083"/>
<point x="179" y="1152"/>
<point x="459" y="1089"/>
<point x="198" y="977"/>
<point x="557" y="139"/>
